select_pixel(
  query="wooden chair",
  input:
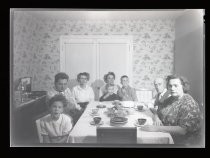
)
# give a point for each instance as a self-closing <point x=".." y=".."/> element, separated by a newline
<point x="116" y="135"/>
<point x="38" y="126"/>
<point x="144" y="95"/>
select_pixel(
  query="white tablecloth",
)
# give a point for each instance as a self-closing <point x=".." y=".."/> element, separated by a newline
<point x="84" y="132"/>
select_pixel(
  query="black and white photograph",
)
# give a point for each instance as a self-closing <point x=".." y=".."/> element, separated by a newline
<point x="107" y="78"/>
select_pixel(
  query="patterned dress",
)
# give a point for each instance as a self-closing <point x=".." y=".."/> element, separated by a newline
<point x="184" y="112"/>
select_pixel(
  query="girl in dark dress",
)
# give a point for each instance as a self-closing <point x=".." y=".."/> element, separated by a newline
<point x="110" y="95"/>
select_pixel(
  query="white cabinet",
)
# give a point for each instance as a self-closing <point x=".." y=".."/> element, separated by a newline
<point x="96" y="55"/>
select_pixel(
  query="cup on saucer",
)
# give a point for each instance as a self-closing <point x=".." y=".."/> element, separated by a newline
<point x="140" y="107"/>
<point x="97" y="120"/>
<point x="141" y="121"/>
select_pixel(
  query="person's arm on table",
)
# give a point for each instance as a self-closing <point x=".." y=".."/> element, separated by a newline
<point x="169" y="129"/>
<point x="156" y="120"/>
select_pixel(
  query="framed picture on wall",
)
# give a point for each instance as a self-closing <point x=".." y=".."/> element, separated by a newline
<point x="26" y="82"/>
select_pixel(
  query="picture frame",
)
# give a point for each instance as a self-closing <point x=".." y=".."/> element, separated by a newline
<point x="26" y="82"/>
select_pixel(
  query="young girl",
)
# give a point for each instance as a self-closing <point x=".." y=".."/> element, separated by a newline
<point x="110" y="95"/>
<point x="56" y="127"/>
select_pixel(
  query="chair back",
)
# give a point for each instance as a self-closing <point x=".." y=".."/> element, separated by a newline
<point x="116" y="135"/>
<point x="38" y="126"/>
<point x="146" y="96"/>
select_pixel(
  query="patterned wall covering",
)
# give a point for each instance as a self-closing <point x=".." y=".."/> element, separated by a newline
<point x="25" y="45"/>
<point x="39" y="40"/>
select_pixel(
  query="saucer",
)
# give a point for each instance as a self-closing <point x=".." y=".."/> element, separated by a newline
<point x="101" y="106"/>
<point x="140" y="110"/>
<point x="93" y="114"/>
<point x="93" y="123"/>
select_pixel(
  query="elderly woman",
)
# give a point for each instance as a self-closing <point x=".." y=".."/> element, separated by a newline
<point x="108" y="79"/>
<point x="179" y="114"/>
<point x="83" y="93"/>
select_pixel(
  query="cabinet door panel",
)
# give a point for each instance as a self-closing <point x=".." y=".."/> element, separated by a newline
<point x="113" y="56"/>
<point x="80" y="57"/>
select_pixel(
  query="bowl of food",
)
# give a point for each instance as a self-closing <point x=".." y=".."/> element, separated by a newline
<point x="118" y="120"/>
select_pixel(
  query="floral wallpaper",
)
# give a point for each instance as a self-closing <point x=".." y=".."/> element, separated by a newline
<point x="36" y="46"/>
<point x="25" y="45"/>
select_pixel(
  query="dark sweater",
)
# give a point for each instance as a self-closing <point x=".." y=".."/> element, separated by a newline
<point x="110" y="98"/>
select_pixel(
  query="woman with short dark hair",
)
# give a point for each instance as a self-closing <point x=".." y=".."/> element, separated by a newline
<point x="108" y="79"/>
<point x="179" y="114"/>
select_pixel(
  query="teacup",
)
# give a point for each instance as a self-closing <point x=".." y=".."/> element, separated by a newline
<point x="141" y="121"/>
<point x="97" y="120"/>
<point x="94" y="111"/>
<point x="140" y="107"/>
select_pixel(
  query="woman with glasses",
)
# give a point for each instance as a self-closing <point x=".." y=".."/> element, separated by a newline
<point x="109" y="80"/>
<point x="83" y="93"/>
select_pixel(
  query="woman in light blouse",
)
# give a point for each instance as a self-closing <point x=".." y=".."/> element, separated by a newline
<point x="108" y="79"/>
<point x="83" y="93"/>
<point x="179" y="114"/>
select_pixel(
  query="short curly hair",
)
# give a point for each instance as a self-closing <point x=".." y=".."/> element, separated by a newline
<point x="61" y="75"/>
<point x="58" y="97"/>
<point x="106" y="75"/>
<point x="83" y="74"/>
<point x="184" y="82"/>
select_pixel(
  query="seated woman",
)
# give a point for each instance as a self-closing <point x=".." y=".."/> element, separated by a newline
<point x="56" y="127"/>
<point x="179" y="114"/>
<point x="108" y="79"/>
<point x="110" y="95"/>
<point x="83" y="93"/>
<point x="127" y="93"/>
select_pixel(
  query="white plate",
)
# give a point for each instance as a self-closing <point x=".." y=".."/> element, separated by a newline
<point x="93" y="123"/>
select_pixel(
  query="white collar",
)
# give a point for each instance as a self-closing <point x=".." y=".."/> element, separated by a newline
<point x="80" y="88"/>
<point x="164" y="91"/>
<point x="62" y="91"/>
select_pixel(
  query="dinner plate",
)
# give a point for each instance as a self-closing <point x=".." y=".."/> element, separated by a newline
<point x="93" y="123"/>
<point x="121" y="122"/>
<point x="117" y="124"/>
<point x="118" y="121"/>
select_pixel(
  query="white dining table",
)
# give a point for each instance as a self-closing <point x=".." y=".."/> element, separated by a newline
<point x="84" y="132"/>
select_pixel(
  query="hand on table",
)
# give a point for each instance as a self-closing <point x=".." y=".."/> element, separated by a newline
<point x="157" y="122"/>
<point x="150" y="128"/>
